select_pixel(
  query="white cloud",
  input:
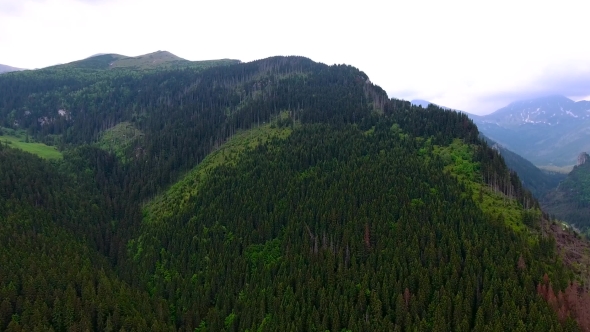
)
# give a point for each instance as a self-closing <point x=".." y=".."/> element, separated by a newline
<point x="455" y="53"/>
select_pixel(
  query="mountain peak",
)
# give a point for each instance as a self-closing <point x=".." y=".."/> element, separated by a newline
<point x="551" y="129"/>
<point x="548" y="110"/>
<point x="420" y="102"/>
<point x="582" y="158"/>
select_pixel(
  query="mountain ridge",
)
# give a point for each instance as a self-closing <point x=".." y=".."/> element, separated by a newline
<point x="549" y="110"/>
<point x="154" y="60"/>
<point x="8" y="69"/>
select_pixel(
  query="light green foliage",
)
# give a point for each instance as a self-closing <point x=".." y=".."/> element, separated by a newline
<point x="267" y="254"/>
<point x="229" y="320"/>
<point x="40" y="149"/>
<point x="119" y="138"/>
<point x="459" y="161"/>
<point x="176" y="197"/>
<point x="458" y="158"/>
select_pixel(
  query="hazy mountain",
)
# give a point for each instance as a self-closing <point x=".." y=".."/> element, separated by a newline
<point x="550" y="110"/>
<point x="547" y="131"/>
<point x="425" y="103"/>
<point x="421" y="102"/>
<point x="7" y="69"/>
<point x="159" y="59"/>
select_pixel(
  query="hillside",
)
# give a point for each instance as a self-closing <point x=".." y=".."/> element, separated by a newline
<point x="570" y="201"/>
<point x="280" y="194"/>
<point x="538" y="181"/>
<point x="8" y="69"/>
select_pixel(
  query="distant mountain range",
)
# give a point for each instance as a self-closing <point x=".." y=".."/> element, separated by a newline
<point x="550" y="130"/>
<point x="159" y="59"/>
<point x="7" y="69"/>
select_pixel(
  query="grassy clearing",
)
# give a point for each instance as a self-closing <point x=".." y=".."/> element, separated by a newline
<point x="458" y="158"/>
<point x="40" y="149"/>
<point x="119" y="138"/>
<point x="176" y="197"/>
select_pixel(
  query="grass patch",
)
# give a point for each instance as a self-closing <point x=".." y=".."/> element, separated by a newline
<point x="458" y="159"/>
<point x="40" y="149"/>
<point x="176" y="197"/>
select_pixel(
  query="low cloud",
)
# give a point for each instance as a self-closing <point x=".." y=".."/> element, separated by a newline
<point x="569" y="80"/>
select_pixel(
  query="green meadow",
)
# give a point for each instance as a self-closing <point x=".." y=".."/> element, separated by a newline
<point x="40" y="149"/>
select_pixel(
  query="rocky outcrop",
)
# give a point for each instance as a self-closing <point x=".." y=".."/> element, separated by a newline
<point x="582" y="158"/>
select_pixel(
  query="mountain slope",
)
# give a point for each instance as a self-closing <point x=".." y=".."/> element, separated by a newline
<point x="570" y="201"/>
<point x="8" y="69"/>
<point x="292" y="241"/>
<point x="547" y="131"/>
<point x="537" y="181"/>
<point x="280" y="194"/>
<point x="53" y="228"/>
<point x="550" y="110"/>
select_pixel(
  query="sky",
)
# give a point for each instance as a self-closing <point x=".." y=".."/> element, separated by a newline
<point x="475" y="56"/>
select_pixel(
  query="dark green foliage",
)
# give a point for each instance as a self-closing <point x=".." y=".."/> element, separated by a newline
<point x="52" y="229"/>
<point x="333" y="229"/>
<point x="570" y="201"/>
<point x="349" y="223"/>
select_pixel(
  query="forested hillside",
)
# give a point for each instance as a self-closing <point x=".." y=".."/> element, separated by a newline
<point x="276" y="195"/>
<point x="538" y="181"/>
<point x="570" y="201"/>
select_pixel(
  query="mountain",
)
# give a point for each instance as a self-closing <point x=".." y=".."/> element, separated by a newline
<point x="425" y="103"/>
<point x="547" y="131"/>
<point x="159" y="59"/>
<point x="7" y="69"/>
<point x="570" y="201"/>
<point x="280" y="194"/>
<point x="550" y="110"/>
<point x="420" y="102"/>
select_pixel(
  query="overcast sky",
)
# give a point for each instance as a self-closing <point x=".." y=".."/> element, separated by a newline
<point x="467" y="55"/>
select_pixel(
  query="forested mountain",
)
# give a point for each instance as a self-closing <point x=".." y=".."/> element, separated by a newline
<point x="276" y="195"/>
<point x="570" y="201"/>
<point x="539" y="182"/>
